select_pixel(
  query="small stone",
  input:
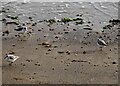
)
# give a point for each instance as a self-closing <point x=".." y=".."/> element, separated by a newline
<point x="68" y="52"/>
<point x="74" y="30"/>
<point x="23" y="64"/>
<point x="49" y="49"/>
<point x="34" y="73"/>
<point x="81" y="47"/>
<point x="65" y="69"/>
<point x="39" y="29"/>
<point x="53" y="68"/>
<point x="56" y="37"/>
<point x="97" y="32"/>
<point x="66" y="32"/>
<point x="13" y="44"/>
<point x="114" y="63"/>
<point x="45" y="43"/>
<point x="28" y="60"/>
<point x="87" y="28"/>
<point x="60" y="52"/>
<point x="30" y="17"/>
<point x="38" y="64"/>
<point x="55" y="46"/>
<point x="84" y="52"/>
<point x="48" y="45"/>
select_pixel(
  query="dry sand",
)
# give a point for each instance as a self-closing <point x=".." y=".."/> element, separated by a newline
<point x="71" y="58"/>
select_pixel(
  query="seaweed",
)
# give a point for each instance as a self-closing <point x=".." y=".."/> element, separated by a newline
<point x="114" y="21"/>
<point x="65" y="20"/>
<point x="51" y="21"/>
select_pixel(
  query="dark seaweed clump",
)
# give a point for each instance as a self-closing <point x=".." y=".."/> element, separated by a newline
<point x="114" y="21"/>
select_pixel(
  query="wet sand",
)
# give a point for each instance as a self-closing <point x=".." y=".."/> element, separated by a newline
<point x="62" y="53"/>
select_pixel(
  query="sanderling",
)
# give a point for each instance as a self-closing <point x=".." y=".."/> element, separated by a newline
<point x="23" y="31"/>
<point x="101" y="43"/>
<point x="11" y="58"/>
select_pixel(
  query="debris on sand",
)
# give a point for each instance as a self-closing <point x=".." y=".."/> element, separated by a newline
<point x="84" y="52"/>
<point x="114" y="21"/>
<point x="107" y="27"/>
<point x="48" y="46"/>
<point x="114" y="62"/>
<point x="68" y="52"/>
<point x="12" y="17"/>
<point x="74" y="29"/>
<point x="5" y="32"/>
<point x="87" y="28"/>
<point x="51" y="21"/>
<point x="55" y="46"/>
<point x="15" y="78"/>
<point x="45" y="43"/>
<point x="66" y="32"/>
<point x="78" y="61"/>
<point x="30" y="18"/>
<point x="65" y="20"/>
<point x="79" y="15"/>
<point x="60" y="52"/>
<point x="53" y="68"/>
<point x="76" y="19"/>
<point x="79" y="22"/>
<point x="13" y="45"/>
<point x="39" y="30"/>
<point x="12" y="22"/>
<point x="29" y="60"/>
<point x="51" y="29"/>
<point x="34" y="24"/>
<point x="37" y="64"/>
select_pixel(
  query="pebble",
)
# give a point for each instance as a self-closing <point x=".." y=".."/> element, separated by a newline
<point x="84" y="52"/>
<point x="53" y="68"/>
<point x="13" y="44"/>
<point x="68" y="52"/>
<point x="45" y="43"/>
<point x="114" y="62"/>
<point x="49" y="49"/>
<point x="60" y="52"/>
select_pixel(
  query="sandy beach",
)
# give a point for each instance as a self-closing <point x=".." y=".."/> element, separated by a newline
<point x="61" y="52"/>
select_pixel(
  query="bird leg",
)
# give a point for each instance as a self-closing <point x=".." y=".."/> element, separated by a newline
<point x="11" y="64"/>
<point x="100" y="48"/>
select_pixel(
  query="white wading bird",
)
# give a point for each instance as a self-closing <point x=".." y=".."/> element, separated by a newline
<point x="23" y="30"/>
<point x="11" y="58"/>
<point x="101" y="43"/>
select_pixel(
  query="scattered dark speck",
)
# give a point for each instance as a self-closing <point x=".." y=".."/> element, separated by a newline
<point x="53" y="68"/>
<point x="13" y="44"/>
<point x="49" y="50"/>
<point x="65" y="69"/>
<point x="114" y="63"/>
<point x="84" y="52"/>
